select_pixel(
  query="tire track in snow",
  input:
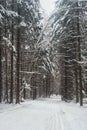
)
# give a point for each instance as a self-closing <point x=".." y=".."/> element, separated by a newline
<point x="58" y="120"/>
<point x="65" y="124"/>
<point x="55" y="121"/>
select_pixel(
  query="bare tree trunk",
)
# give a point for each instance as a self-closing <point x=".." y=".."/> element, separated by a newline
<point x="0" y="67"/>
<point x="18" y="61"/>
<point x="65" y="92"/>
<point x="6" y="58"/>
<point x="79" y="57"/>
<point x="18" y="67"/>
<point x="0" y="73"/>
<point x="6" y="84"/>
<point x="76" y="83"/>
<point x="11" y="85"/>
<point x="12" y="40"/>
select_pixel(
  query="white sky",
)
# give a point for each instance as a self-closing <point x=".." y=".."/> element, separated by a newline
<point x="47" y="5"/>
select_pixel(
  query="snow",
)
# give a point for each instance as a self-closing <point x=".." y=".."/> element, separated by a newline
<point x="14" y="49"/>
<point x="23" y="24"/>
<point x="48" y="5"/>
<point x="7" y="41"/>
<point x="12" y="13"/>
<point x="43" y="114"/>
<point x="27" y="72"/>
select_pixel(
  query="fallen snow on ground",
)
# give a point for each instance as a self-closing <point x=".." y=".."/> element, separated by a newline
<point x="43" y="114"/>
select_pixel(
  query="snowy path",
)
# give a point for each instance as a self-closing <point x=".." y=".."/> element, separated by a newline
<point x="45" y="114"/>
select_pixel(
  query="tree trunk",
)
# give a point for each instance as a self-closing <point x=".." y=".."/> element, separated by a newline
<point x="18" y="61"/>
<point x="6" y="83"/>
<point x="0" y="73"/>
<point x="12" y="40"/>
<point x="6" y="58"/>
<point x="76" y="84"/>
<point x="79" y="57"/>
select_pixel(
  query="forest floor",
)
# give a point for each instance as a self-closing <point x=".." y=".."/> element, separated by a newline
<point x="43" y="114"/>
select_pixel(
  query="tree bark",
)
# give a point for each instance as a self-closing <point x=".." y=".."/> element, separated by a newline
<point x="6" y="83"/>
<point x="12" y="40"/>
<point x="6" y="58"/>
<point x="18" y="61"/>
<point x="76" y="83"/>
<point x="0" y="73"/>
<point x="79" y="57"/>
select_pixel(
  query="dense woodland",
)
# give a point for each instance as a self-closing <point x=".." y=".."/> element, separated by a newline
<point x="38" y="60"/>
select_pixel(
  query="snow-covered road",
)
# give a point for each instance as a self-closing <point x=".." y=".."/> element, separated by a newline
<point x="44" y="114"/>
